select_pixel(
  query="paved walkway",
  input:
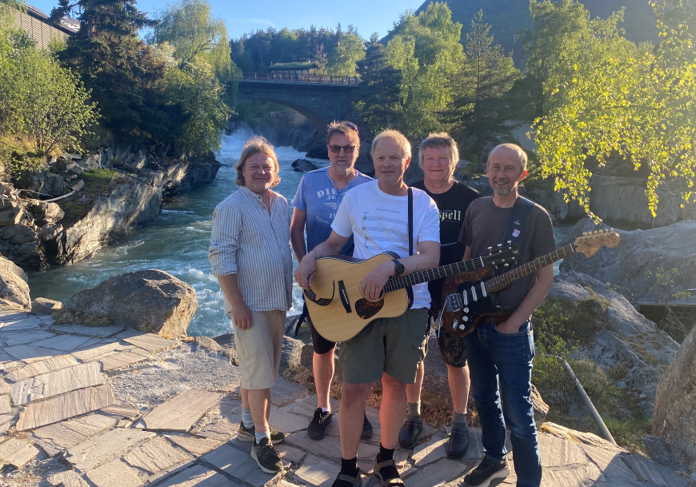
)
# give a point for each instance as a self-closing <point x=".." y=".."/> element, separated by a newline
<point x="83" y="406"/>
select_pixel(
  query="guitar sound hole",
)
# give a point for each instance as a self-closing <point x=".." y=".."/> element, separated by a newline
<point x="367" y="309"/>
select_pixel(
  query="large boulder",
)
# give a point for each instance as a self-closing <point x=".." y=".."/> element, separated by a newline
<point x="14" y="291"/>
<point x="303" y="165"/>
<point x="648" y="266"/>
<point x="614" y="335"/>
<point x="674" y="418"/>
<point x="150" y="300"/>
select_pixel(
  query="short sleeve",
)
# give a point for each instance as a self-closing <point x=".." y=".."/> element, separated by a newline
<point x="299" y="200"/>
<point x="430" y="228"/>
<point x="224" y="240"/>
<point x="544" y="241"/>
<point x="341" y="223"/>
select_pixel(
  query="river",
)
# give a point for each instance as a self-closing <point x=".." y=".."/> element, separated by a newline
<point x="177" y="243"/>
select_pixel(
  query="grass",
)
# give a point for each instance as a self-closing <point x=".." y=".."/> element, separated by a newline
<point x="97" y="183"/>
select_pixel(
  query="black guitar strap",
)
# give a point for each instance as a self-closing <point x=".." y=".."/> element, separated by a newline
<point x="410" y="221"/>
<point x="517" y="221"/>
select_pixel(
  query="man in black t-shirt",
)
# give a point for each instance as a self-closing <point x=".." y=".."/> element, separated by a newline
<point x="500" y="355"/>
<point x="438" y="156"/>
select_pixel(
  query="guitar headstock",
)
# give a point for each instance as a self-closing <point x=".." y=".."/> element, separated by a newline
<point x="590" y="243"/>
<point x="501" y="255"/>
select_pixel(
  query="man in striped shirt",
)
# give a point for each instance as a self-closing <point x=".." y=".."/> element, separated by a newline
<point x="250" y="255"/>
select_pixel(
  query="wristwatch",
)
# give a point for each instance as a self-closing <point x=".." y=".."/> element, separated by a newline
<point x="398" y="268"/>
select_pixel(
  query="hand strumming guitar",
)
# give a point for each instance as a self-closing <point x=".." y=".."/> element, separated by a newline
<point x="373" y="284"/>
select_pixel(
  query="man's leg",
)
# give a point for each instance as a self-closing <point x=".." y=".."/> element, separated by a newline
<point x="391" y="410"/>
<point x="259" y="401"/>
<point x="458" y="378"/>
<point x="353" y="397"/>
<point x="413" y="425"/>
<point x="323" y="368"/>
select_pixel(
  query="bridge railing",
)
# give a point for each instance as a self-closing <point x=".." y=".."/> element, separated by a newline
<point x="301" y="78"/>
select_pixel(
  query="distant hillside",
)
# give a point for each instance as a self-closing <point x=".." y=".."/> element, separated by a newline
<point x="507" y="17"/>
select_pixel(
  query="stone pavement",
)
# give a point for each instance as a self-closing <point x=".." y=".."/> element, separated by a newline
<point x="105" y="407"/>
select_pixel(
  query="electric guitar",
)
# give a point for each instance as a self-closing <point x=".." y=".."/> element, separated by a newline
<point x="342" y="312"/>
<point x="471" y="304"/>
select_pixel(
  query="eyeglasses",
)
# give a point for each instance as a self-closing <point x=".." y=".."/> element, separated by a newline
<point x="336" y="149"/>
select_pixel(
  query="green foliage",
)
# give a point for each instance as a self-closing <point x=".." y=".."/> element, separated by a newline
<point x="98" y="177"/>
<point x="349" y="50"/>
<point x="604" y="96"/>
<point x="479" y="112"/>
<point x="426" y="49"/>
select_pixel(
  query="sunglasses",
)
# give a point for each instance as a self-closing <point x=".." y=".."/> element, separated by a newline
<point x="336" y="149"/>
<point x="350" y="125"/>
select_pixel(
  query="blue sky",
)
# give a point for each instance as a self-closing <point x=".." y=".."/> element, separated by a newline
<point x="367" y="16"/>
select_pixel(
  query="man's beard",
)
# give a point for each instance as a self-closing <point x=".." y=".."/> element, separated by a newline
<point x="502" y="192"/>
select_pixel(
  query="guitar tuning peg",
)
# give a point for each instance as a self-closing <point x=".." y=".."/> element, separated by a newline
<point x="509" y="242"/>
<point x="500" y="245"/>
<point x="584" y="233"/>
<point x="490" y="248"/>
<point x="601" y="231"/>
<point x="612" y="229"/>
<point x="496" y="267"/>
<point x="506" y="265"/>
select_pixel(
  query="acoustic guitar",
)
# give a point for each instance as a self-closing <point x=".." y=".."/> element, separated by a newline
<point x="339" y="311"/>
<point x="471" y="304"/>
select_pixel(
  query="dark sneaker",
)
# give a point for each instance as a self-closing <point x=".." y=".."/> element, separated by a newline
<point x="367" y="429"/>
<point x="347" y="481"/>
<point x="458" y="442"/>
<point x="266" y="457"/>
<point x="250" y="434"/>
<point x="410" y="431"/>
<point x="317" y="428"/>
<point x="486" y="471"/>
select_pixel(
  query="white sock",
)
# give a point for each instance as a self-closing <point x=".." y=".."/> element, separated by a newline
<point x="326" y="410"/>
<point x="247" y="420"/>
<point x="261" y="435"/>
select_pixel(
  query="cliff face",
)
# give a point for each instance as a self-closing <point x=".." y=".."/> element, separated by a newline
<point x="110" y="193"/>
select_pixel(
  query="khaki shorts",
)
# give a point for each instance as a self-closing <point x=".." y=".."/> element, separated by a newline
<point x="392" y="345"/>
<point x="259" y="348"/>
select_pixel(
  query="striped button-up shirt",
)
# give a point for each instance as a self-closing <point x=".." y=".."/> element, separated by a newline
<point x="255" y="246"/>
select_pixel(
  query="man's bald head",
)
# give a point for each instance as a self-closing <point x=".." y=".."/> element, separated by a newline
<point x="521" y="154"/>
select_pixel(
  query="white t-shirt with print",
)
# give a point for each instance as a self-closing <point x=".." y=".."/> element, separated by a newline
<point x="379" y="222"/>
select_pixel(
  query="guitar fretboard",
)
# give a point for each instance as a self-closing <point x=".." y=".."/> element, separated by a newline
<point x="499" y="282"/>
<point x="427" y="275"/>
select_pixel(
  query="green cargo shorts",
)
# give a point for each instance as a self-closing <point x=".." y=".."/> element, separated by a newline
<point x="392" y="345"/>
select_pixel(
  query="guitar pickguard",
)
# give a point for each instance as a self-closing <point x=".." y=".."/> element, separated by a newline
<point x="367" y="309"/>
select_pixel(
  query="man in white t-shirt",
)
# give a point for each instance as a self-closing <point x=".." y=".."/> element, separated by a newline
<point x="376" y="215"/>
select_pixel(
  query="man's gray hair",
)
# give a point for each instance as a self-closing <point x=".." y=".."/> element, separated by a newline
<point x="441" y="140"/>
<point x="514" y="147"/>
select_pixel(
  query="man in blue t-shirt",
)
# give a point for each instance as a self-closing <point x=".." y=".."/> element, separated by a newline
<point x="315" y="204"/>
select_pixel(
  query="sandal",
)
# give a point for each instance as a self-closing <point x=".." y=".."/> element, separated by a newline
<point x="392" y="482"/>
<point x="350" y="481"/>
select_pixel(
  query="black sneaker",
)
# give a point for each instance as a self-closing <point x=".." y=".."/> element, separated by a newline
<point x="317" y="428"/>
<point x="250" y="434"/>
<point x="367" y="429"/>
<point x="266" y="457"/>
<point x="486" y="471"/>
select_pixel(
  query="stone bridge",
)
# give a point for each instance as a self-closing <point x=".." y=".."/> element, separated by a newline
<point x="321" y="103"/>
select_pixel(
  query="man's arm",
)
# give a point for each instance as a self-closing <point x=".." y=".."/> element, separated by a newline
<point x="332" y="246"/>
<point x="534" y="298"/>
<point x="240" y="314"/>
<point x="297" y="229"/>
<point x="428" y="256"/>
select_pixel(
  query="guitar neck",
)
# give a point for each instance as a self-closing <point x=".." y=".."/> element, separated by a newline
<point x="501" y="281"/>
<point x="427" y="275"/>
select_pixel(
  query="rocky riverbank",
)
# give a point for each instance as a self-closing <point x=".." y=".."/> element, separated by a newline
<point x="64" y="211"/>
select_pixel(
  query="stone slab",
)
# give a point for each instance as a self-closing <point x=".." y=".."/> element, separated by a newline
<point x="118" y="360"/>
<point x="437" y="473"/>
<point x="182" y="412"/>
<point x="5" y="357"/>
<point x="9" y="316"/>
<point x="289" y="454"/>
<point x="150" y="342"/>
<point x="24" y="324"/>
<point x="5" y="423"/>
<point x="154" y="456"/>
<point x="5" y="406"/>
<point x="4" y="387"/>
<point x="23" y="337"/>
<point x="198" y="476"/>
<point x="221" y="423"/>
<point x="64" y="343"/>
<point x="610" y="463"/>
<point x="55" y="383"/>
<point x="306" y="405"/>
<point x="194" y="445"/>
<point x="114" y="474"/>
<point x="68" y="405"/>
<point x="57" y="438"/>
<point x="239" y="465"/>
<point x="46" y="319"/>
<point x="330" y="447"/>
<point x="431" y="451"/>
<point x="652" y="472"/>
<point x="43" y="367"/>
<point x="108" y="346"/>
<point x="89" y="331"/>
<point x="556" y="452"/>
<point x="285" y="392"/>
<point x="317" y="472"/>
<point x="286" y="422"/>
<point x="127" y="411"/>
<point x="29" y="353"/>
<point x="67" y="479"/>
<point x="568" y="476"/>
<point x="98" y="449"/>
<point x="17" y="452"/>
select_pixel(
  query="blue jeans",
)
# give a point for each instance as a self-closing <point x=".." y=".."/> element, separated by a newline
<point x="506" y="359"/>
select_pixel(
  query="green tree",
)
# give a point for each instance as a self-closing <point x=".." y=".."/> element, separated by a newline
<point x="349" y="50"/>
<point x="378" y="98"/>
<point x="426" y="49"/>
<point x="480" y="110"/>
<point x="639" y="104"/>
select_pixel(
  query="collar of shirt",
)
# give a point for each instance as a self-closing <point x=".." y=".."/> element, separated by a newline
<point x="257" y="196"/>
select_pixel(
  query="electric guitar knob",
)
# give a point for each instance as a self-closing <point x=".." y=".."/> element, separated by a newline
<point x="466" y="310"/>
<point x="462" y="327"/>
<point x="465" y="318"/>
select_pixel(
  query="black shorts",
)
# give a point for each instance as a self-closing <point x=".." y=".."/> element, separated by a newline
<point x="452" y="349"/>
<point x="321" y="344"/>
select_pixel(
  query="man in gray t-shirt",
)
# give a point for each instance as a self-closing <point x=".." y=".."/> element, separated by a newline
<point x="500" y="355"/>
